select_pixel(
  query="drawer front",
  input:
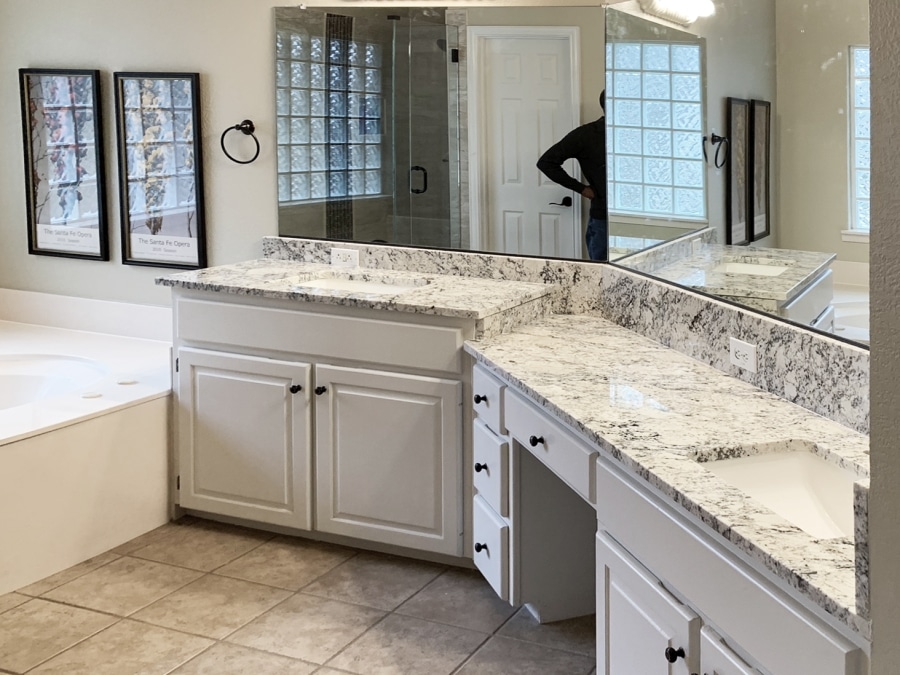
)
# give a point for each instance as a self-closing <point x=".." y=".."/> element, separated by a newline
<point x="490" y="536"/>
<point x="491" y="467"/>
<point x="557" y="448"/>
<point x="487" y="397"/>
<point x="388" y="343"/>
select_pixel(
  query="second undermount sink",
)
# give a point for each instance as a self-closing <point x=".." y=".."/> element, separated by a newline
<point x="800" y="486"/>
<point x="365" y="283"/>
<point x="754" y="269"/>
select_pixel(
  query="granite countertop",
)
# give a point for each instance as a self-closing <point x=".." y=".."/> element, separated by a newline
<point x="698" y="271"/>
<point x="660" y="413"/>
<point x="495" y="305"/>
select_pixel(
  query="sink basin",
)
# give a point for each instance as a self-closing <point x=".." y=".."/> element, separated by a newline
<point x="801" y="487"/>
<point x="754" y="269"/>
<point x="355" y="284"/>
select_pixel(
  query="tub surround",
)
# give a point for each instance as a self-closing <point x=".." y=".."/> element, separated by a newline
<point x="604" y="382"/>
<point x="494" y="305"/>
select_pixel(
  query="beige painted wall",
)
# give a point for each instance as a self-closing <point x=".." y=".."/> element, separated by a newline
<point x="811" y="122"/>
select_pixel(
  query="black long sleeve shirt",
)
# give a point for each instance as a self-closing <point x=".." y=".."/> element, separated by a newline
<point x="587" y="145"/>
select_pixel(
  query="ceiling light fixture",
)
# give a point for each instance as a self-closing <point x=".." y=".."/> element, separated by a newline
<point x="682" y="12"/>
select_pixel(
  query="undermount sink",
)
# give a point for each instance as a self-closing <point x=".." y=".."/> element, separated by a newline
<point x="754" y="269"/>
<point x="801" y="487"/>
<point x="365" y="283"/>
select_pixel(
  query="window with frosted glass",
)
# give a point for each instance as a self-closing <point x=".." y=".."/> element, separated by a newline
<point x="861" y="135"/>
<point x="655" y="129"/>
<point x="329" y="117"/>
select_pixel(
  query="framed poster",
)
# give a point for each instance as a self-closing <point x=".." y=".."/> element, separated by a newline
<point x="760" y="141"/>
<point x="160" y="169"/>
<point x="64" y="168"/>
<point x="737" y="193"/>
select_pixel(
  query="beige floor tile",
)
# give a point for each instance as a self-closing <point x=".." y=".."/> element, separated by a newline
<point x="325" y="670"/>
<point x="306" y="627"/>
<point x="502" y="656"/>
<point x="227" y="659"/>
<point x="460" y="598"/>
<point x="404" y="645"/>
<point x="375" y="580"/>
<point x="201" y="545"/>
<point x="58" y="579"/>
<point x="212" y="606"/>
<point x="123" y="586"/>
<point x="149" y="537"/>
<point x="573" y="635"/>
<point x="287" y="562"/>
<point x="10" y="600"/>
<point x="37" y="630"/>
<point x="127" y="648"/>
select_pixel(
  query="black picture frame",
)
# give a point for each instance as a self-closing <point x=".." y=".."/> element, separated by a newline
<point x="160" y="169"/>
<point x="737" y="194"/>
<point x="760" y="142"/>
<point x="65" y="170"/>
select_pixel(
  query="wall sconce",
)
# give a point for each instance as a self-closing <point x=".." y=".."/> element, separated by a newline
<point x="682" y="12"/>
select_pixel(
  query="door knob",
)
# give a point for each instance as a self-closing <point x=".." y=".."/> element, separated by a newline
<point x="320" y="390"/>
<point x="566" y="201"/>
<point x="296" y="389"/>
<point x="535" y="441"/>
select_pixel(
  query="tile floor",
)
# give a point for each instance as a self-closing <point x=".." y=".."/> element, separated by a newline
<point x="201" y="598"/>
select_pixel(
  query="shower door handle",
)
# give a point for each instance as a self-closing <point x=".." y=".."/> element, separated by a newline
<point x="424" y="180"/>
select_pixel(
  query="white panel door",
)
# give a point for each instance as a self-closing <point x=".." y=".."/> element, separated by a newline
<point x="389" y="458"/>
<point x="641" y="628"/>
<point x="717" y="658"/>
<point x="526" y="96"/>
<point x="243" y="437"/>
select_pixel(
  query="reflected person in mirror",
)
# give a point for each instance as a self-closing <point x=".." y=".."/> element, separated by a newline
<point x="587" y="144"/>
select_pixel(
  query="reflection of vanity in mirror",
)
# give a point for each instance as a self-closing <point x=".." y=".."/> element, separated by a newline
<point x="428" y="133"/>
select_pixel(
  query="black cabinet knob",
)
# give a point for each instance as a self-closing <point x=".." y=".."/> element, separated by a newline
<point x="480" y="547"/>
<point x="535" y="441"/>
<point x="296" y="389"/>
<point x="672" y="655"/>
<point x="480" y="467"/>
<point x="320" y="390"/>
<point x="480" y="399"/>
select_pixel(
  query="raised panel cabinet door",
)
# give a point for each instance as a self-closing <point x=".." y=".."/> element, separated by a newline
<point x="244" y="437"/>
<point x="641" y="628"/>
<point x="389" y="458"/>
<point x="717" y="658"/>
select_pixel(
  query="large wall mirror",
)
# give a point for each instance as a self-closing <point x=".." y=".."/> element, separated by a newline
<point x="423" y="126"/>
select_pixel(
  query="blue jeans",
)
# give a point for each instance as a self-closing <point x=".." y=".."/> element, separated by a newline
<point x="597" y="239"/>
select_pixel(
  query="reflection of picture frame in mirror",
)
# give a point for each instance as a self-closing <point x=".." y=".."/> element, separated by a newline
<point x="64" y="167"/>
<point x="760" y="135"/>
<point x="160" y="169"/>
<point x="737" y="196"/>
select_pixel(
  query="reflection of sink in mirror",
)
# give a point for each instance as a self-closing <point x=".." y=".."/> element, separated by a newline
<point x="750" y="268"/>
<point x="801" y="487"/>
<point x="361" y="285"/>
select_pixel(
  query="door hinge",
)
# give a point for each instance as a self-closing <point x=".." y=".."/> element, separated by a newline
<point x="177" y="482"/>
<point x="176" y="365"/>
<point x="454" y="56"/>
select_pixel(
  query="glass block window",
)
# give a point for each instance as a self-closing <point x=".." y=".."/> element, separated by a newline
<point x="861" y="138"/>
<point x="329" y="117"/>
<point x="654" y="123"/>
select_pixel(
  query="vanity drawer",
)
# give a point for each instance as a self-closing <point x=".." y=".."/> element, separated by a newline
<point x="491" y="467"/>
<point x="557" y="448"/>
<point x="490" y="537"/>
<point x="487" y="396"/>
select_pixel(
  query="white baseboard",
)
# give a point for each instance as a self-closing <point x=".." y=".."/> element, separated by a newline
<point x="150" y="322"/>
<point x="850" y="273"/>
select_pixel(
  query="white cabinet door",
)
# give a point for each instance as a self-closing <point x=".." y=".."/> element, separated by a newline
<point x="243" y="437"/>
<point x="717" y="658"/>
<point x="641" y="628"/>
<point x="389" y="458"/>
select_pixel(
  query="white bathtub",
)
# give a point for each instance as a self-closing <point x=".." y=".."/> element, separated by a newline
<point x="84" y="446"/>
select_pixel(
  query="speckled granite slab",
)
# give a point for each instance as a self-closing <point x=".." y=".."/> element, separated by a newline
<point x="705" y="269"/>
<point x="650" y="408"/>
<point x="495" y="305"/>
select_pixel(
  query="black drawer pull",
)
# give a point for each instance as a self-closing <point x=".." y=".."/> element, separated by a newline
<point x="480" y="467"/>
<point x="320" y="390"/>
<point x="296" y="389"/>
<point x="672" y="655"/>
<point x="480" y="399"/>
<point x="535" y="441"/>
<point x="480" y="547"/>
